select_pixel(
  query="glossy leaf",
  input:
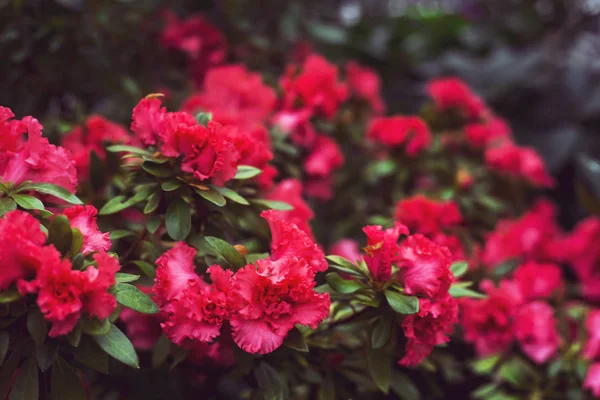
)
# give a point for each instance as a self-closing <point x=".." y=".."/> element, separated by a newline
<point x="401" y="303"/>
<point x="60" y="234"/>
<point x="54" y="190"/>
<point x="131" y="297"/>
<point x="247" y="172"/>
<point x="233" y="258"/>
<point x="178" y="219"/>
<point x="118" y="346"/>
<point x="341" y="285"/>
<point x="65" y="383"/>
<point x="27" y="202"/>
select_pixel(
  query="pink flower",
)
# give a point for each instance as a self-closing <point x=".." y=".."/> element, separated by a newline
<point x="520" y="162"/>
<point x="424" y="267"/>
<point x="366" y="85"/>
<point x="297" y="124"/>
<point x="382" y="249"/>
<point x="91" y="137"/>
<point x="234" y="95"/>
<point x="427" y="328"/>
<point x="254" y="148"/>
<point x="147" y="119"/>
<point x="453" y="244"/>
<point x="427" y="216"/>
<point x="592" y="380"/>
<point x="592" y="326"/>
<point x="397" y="130"/>
<point x="315" y="84"/>
<point x="535" y="329"/>
<point x="538" y="280"/>
<point x="347" y="248"/>
<point x="324" y="158"/>
<point x="290" y="191"/>
<point x="452" y="93"/>
<point x="479" y="135"/>
<point x="84" y="219"/>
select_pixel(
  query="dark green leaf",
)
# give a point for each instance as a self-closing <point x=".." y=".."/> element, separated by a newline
<point x="132" y="297"/>
<point x="179" y="356"/>
<point x="94" y="326"/>
<point x="152" y="223"/>
<point x="485" y="391"/>
<point x="113" y="206"/>
<point x="4" y="342"/>
<point x="115" y="235"/>
<point x="4" y="188"/>
<point x="60" y="234"/>
<point x="327" y="33"/>
<point x="401" y="303"/>
<point x="231" y="195"/>
<point x="380" y="367"/>
<point x="26" y="385"/>
<point x="344" y="265"/>
<point x="77" y="241"/>
<point x="46" y="354"/>
<point x="341" y="285"/>
<point x="247" y="172"/>
<point x="404" y="387"/>
<point x="158" y="170"/>
<point x="146" y="268"/>
<point x="155" y="160"/>
<point x="97" y="171"/>
<point x="9" y="295"/>
<point x="54" y="190"/>
<point x="74" y="337"/>
<point x="65" y="384"/>
<point x="161" y="351"/>
<point x="92" y="356"/>
<point x="123" y="277"/>
<point x="203" y="118"/>
<point x="153" y="203"/>
<point x="295" y="340"/>
<point x="117" y="345"/>
<point x="121" y="148"/>
<point x="36" y="325"/>
<point x="27" y="202"/>
<point x="8" y="370"/>
<point x="272" y="204"/>
<point x="459" y="268"/>
<point x="213" y="196"/>
<point x="178" y="219"/>
<point x="233" y="258"/>
<point x="484" y="366"/>
<point x="169" y="186"/>
<point x="381" y="332"/>
<point x="270" y="382"/>
<point x="7" y="205"/>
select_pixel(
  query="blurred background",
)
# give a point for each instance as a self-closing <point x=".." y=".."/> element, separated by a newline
<point x="536" y="62"/>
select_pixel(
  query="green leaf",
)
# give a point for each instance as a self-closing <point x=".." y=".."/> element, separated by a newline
<point x="213" y="196"/>
<point x="26" y="386"/>
<point x="92" y="356"/>
<point x="131" y="297"/>
<point x="65" y="383"/>
<point x="178" y="219"/>
<point x="95" y="327"/>
<point x="153" y="203"/>
<point x="344" y="265"/>
<point x="380" y="367"/>
<point x="270" y="382"/>
<point x="404" y="387"/>
<point x="485" y="391"/>
<point x="27" y="202"/>
<point x="169" y="186"/>
<point x="123" y="277"/>
<point x="45" y="354"/>
<point x="153" y="222"/>
<point x="231" y="195"/>
<point x="8" y="370"/>
<point x="341" y="285"/>
<point x="295" y="340"/>
<point x="117" y="345"/>
<point x="36" y="325"/>
<point x="113" y="206"/>
<point x="77" y="241"/>
<point x="401" y="303"/>
<point x="457" y="291"/>
<point x="4" y="188"/>
<point x="233" y="258"/>
<point x="327" y="33"/>
<point x="381" y="332"/>
<point x="118" y="234"/>
<point x="254" y="257"/>
<point x="146" y="268"/>
<point x="74" y="337"/>
<point x="485" y="366"/>
<point x="54" y="190"/>
<point x="4" y="343"/>
<point x="203" y="118"/>
<point x="9" y="295"/>
<point x="459" y="268"/>
<point x="247" y="172"/>
<point x="121" y="148"/>
<point x="7" y="205"/>
<point x="272" y="204"/>
<point x="60" y="234"/>
<point x="158" y="170"/>
<point x="161" y="351"/>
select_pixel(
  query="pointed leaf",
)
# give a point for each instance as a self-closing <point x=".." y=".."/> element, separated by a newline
<point x="460" y="291"/>
<point x="380" y="367"/>
<point x="131" y="297"/>
<point x="272" y="204"/>
<point x="169" y="186"/>
<point x="344" y="265"/>
<point x="116" y="235"/>
<point x="65" y="383"/>
<point x="45" y="354"/>
<point x="123" y="277"/>
<point x="95" y="327"/>
<point x="92" y="356"/>
<point x="113" y="206"/>
<point x="146" y="268"/>
<point x="459" y="268"/>
<point x="117" y="345"/>
<point x="60" y="234"/>
<point x="341" y="285"/>
<point x="7" y="205"/>
<point x="121" y="148"/>
<point x="227" y="251"/>
<point x="26" y="386"/>
<point x="27" y="202"/>
<point x="213" y="196"/>
<point x="54" y="190"/>
<point x="153" y="203"/>
<point x="269" y="381"/>
<point x="36" y="325"/>
<point x="247" y="172"/>
<point x="158" y="170"/>
<point x="401" y="303"/>
<point x="178" y="219"/>
<point x="231" y="195"/>
<point x="381" y="332"/>
<point x="295" y="340"/>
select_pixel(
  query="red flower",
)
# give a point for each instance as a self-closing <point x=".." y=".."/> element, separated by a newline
<point x="592" y="326"/>
<point x="530" y="237"/>
<point x="142" y="329"/>
<point x="147" y="120"/>
<point x="347" y="248"/>
<point x="521" y="162"/>
<point x="535" y="329"/>
<point x="538" y="280"/>
<point x="234" y="95"/>
<point x="382" y="249"/>
<point x="427" y="328"/>
<point x="175" y="271"/>
<point x="480" y="135"/>
<point x="488" y="323"/>
<point x="424" y="267"/>
<point x="21" y="248"/>
<point x="35" y="159"/>
<point x="366" y="85"/>
<point x="254" y="147"/>
<point x="592" y="380"/>
<point x="203" y="43"/>
<point x="84" y="219"/>
<point x="427" y="216"/>
<point x="91" y="137"/>
<point x="315" y="85"/>
<point x="452" y="93"/>
<point x="297" y="123"/>
<point x="325" y="157"/>
<point x="290" y="191"/>
<point x="453" y="244"/>
<point x="397" y="130"/>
